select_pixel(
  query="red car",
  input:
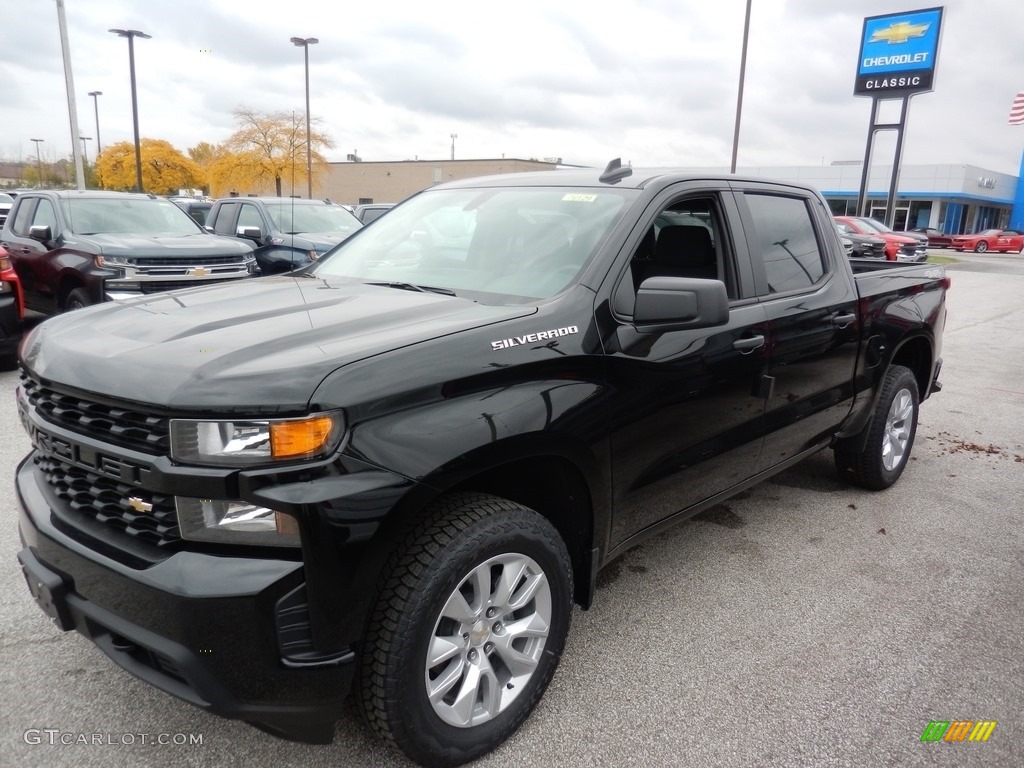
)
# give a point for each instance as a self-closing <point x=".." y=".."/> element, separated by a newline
<point x="897" y="247"/>
<point x="12" y="310"/>
<point x="989" y="240"/>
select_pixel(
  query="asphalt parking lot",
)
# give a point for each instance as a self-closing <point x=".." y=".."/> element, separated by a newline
<point x="803" y="623"/>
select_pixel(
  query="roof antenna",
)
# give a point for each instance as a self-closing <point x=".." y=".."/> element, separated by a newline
<point x="614" y="172"/>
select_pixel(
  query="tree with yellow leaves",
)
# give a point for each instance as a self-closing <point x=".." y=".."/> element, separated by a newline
<point x="165" y="170"/>
<point x="268" y="151"/>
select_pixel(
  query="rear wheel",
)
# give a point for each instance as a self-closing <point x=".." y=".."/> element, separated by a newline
<point x="468" y="629"/>
<point x="890" y="435"/>
<point x="77" y="299"/>
<point x="981" y="247"/>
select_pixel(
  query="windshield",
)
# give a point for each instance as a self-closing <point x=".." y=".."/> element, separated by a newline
<point x="520" y="243"/>
<point x="128" y="215"/>
<point x="294" y="217"/>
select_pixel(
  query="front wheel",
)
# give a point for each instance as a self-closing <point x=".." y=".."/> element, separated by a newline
<point x="890" y="435"/>
<point x="468" y="629"/>
<point x="77" y="299"/>
<point x="981" y="247"/>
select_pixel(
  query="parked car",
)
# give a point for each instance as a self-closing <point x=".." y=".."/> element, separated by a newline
<point x="898" y="247"/>
<point x="12" y="311"/>
<point x="395" y="477"/>
<point x="936" y="237"/>
<point x="6" y="201"/>
<point x="864" y="246"/>
<point x="1002" y="240"/>
<point x="73" y="248"/>
<point x="370" y="211"/>
<point x="197" y="209"/>
<point x="884" y="229"/>
<point x="288" y="232"/>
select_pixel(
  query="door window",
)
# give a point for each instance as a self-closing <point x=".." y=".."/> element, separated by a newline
<point x="787" y="242"/>
<point x="223" y="224"/>
<point x="249" y="216"/>
<point x="23" y="220"/>
<point x="45" y="216"/>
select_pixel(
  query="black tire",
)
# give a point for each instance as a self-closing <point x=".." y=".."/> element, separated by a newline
<point x="77" y="299"/>
<point x="981" y="247"/>
<point x="890" y="435"/>
<point x="458" y="537"/>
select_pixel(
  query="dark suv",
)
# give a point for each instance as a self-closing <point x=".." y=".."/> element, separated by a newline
<point x="74" y="248"/>
<point x="288" y="232"/>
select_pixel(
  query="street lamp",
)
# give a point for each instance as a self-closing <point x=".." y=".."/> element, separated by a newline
<point x="39" y="160"/>
<point x="131" y="34"/>
<point x="96" y="105"/>
<point x="454" y="137"/>
<point x="304" y="43"/>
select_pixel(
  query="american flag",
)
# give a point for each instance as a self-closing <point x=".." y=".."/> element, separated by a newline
<point x="1017" y="110"/>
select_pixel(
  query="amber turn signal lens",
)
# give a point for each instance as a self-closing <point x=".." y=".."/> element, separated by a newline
<point x="293" y="439"/>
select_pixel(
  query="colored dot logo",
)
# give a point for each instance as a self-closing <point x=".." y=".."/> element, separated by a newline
<point x="206" y="50"/>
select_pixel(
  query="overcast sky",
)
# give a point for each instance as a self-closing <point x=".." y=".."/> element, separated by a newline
<point x="651" y="81"/>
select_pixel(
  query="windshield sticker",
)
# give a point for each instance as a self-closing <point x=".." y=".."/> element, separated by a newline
<point x="533" y="338"/>
<point x="578" y="197"/>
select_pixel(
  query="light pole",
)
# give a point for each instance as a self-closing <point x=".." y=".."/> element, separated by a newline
<point x="131" y="34"/>
<point x="454" y="137"/>
<point x="304" y="43"/>
<point x="39" y="160"/>
<point x="96" y="106"/>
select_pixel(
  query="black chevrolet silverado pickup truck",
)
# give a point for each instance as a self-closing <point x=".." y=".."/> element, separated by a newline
<point x="74" y="248"/>
<point x="393" y="472"/>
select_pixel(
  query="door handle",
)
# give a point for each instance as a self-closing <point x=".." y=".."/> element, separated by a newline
<point x="841" y="321"/>
<point x="749" y="344"/>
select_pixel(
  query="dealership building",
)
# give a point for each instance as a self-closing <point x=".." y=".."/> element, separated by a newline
<point x="953" y="198"/>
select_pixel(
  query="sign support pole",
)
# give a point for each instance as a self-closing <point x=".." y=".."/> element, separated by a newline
<point x="873" y="128"/>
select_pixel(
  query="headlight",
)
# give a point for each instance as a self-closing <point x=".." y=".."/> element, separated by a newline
<point x="114" y="261"/>
<point x="245" y="443"/>
<point x="235" y="522"/>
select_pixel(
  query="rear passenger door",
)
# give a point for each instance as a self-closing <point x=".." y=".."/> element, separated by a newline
<point x="813" y="327"/>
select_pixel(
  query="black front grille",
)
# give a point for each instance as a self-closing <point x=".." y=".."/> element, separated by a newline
<point x="120" y="426"/>
<point x="152" y="519"/>
<point x="192" y="261"/>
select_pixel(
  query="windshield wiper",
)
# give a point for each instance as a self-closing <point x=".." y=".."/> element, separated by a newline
<point x="412" y="287"/>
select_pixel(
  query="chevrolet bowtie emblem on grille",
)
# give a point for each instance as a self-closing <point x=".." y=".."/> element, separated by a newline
<point x="199" y="272"/>
<point x="899" y="32"/>
<point x="139" y="505"/>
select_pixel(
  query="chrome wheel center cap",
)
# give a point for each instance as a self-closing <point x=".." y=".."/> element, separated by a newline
<point x="480" y="632"/>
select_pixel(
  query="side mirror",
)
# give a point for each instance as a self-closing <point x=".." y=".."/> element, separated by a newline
<point x="250" y="233"/>
<point x="41" y="232"/>
<point x="676" y="303"/>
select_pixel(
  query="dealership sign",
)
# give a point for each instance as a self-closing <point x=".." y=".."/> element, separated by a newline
<point x="897" y="53"/>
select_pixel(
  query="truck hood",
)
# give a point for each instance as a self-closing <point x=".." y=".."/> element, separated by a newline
<point x="318" y="241"/>
<point x="186" y="246"/>
<point x="259" y="345"/>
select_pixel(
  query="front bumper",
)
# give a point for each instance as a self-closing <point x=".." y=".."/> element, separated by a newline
<point x="205" y="628"/>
